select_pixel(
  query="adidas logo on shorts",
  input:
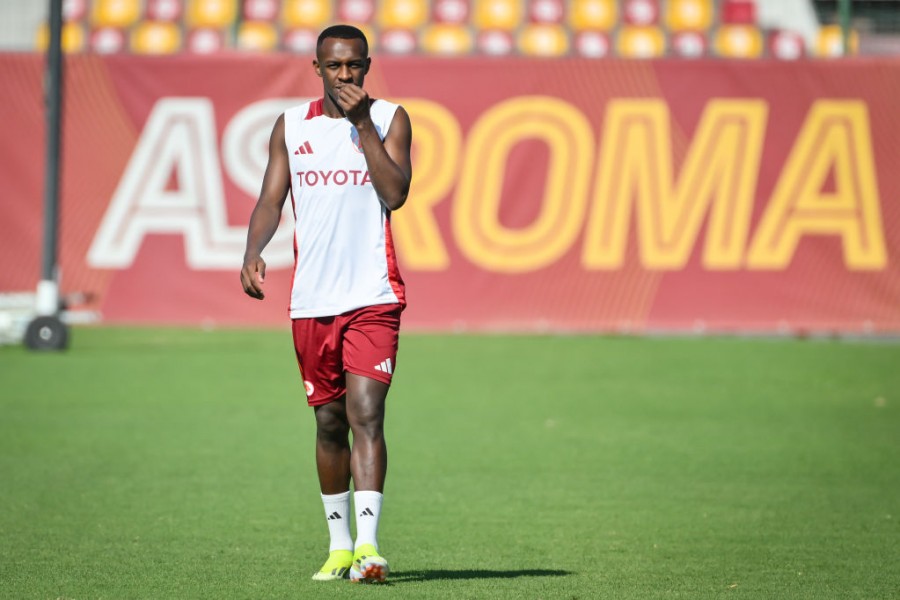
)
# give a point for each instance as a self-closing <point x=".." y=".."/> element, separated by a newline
<point x="385" y="367"/>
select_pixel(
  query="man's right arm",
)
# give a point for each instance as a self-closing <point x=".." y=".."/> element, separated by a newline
<point x="267" y="213"/>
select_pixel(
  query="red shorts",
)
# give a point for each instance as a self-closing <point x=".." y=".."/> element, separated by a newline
<point x="362" y="341"/>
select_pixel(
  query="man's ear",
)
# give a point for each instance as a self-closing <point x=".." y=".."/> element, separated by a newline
<point x="318" y="69"/>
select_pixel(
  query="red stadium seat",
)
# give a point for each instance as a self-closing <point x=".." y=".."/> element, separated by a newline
<point x="593" y="15"/>
<point x="495" y="42"/>
<point x="164" y="10"/>
<point x="446" y="39"/>
<point x="546" y="11"/>
<point x="689" y="44"/>
<point x="356" y="11"/>
<point x="205" y="40"/>
<point x="786" y="45"/>
<point x="641" y="12"/>
<point x="107" y="40"/>
<point x="74" y="10"/>
<point x="738" y="12"/>
<point x="301" y="41"/>
<point x="545" y="40"/>
<point x="398" y="41"/>
<point x="450" y="11"/>
<point x="261" y="10"/>
<point x="592" y="44"/>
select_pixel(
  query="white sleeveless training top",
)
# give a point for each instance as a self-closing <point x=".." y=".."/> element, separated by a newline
<point x="343" y="251"/>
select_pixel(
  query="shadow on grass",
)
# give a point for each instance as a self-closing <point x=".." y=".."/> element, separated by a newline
<point x="444" y="574"/>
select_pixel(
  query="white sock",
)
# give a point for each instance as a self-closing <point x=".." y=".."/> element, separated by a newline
<point x="337" y="513"/>
<point x="368" y="509"/>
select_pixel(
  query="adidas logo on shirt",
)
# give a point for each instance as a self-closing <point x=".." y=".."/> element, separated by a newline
<point x="385" y="367"/>
<point x="304" y="148"/>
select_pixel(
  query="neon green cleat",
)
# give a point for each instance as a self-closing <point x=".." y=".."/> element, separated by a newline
<point x="336" y="567"/>
<point x="368" y="566"/>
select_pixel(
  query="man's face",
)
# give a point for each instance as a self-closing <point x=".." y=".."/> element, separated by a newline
<point x="340" y="62"/>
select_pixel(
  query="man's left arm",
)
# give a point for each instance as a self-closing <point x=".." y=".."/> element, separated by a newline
<point x="388" y="160"/>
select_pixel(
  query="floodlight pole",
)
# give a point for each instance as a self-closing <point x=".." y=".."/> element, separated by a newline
<point x="844" y="15"/>
<point x="47" y="331"/>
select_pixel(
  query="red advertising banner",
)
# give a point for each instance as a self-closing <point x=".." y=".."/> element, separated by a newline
<point x="569" y="195"/>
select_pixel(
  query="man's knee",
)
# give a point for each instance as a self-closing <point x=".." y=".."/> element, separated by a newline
<point x="331" y="423"/>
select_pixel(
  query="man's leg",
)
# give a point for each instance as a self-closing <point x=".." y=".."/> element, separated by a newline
<point x="333" y="465"/>
<point x="368" y="462"/>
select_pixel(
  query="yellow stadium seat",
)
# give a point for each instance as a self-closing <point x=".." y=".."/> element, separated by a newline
<point x="830" y="42"/>
<point x="403" y="14"/>
<point x="738" y="41"/>
<point x="503" y="15"/>
<point x="689" y="15"/>
<point x="593" y="15"/>
<point x="155" y="37"/>
<point x="445" y="39"/>
<point x="258" y="36"/>
<point x="543" y="40"/>
<point x="640" y="41"/>
<point x="71" y="39"/>
<point x="306" y="13"/>
<point x="115" y="13"/>
<point x="211" y="13"/>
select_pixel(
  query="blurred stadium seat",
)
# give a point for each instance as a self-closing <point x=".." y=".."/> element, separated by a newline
<point x="641" y="12"/>
<point x="300" y="41"/>
<point x="830" y="42"/>
<point x="447" y="39"/>
<point x="738" y="41"/>
<point x="450" y="11"/>
<point x="260" y="10"/>
<point x="107" y="40"/>
<point x="74" y="10"/>
<point x="592" y="44"/>
<point x="398" y="41"/>
<point x="546" y="11"/>
<point x="495" y="42"/>
<point x="257" y="36"/>
<point x="164" y="10"/>
<point x="543" y="39"/>
<point x="115" y="13"/>
<point x="355" y="11"/>
<point x="403" y="14"/>
<point x="72" y="39"/>
<point x="210" y="13"/>
<point x="593" y="15"/>
<point x="501" y="15"/>
<point x="689" y="44"/>
<point x="689" y="15"/>
<point x="641" y="41"/>
<point x="786" y="45"/>
<point x="205" y="40"/>
<point x="155" y="37"/>
<point x="306" y="13"/>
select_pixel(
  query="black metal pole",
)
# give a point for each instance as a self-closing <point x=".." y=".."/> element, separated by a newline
<point x="53" y="99"/>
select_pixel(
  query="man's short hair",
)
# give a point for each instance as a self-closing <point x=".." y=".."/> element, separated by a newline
<point x="343" y="32"/>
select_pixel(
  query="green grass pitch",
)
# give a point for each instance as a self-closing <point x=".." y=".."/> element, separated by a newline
<point x="173" y="463"/>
